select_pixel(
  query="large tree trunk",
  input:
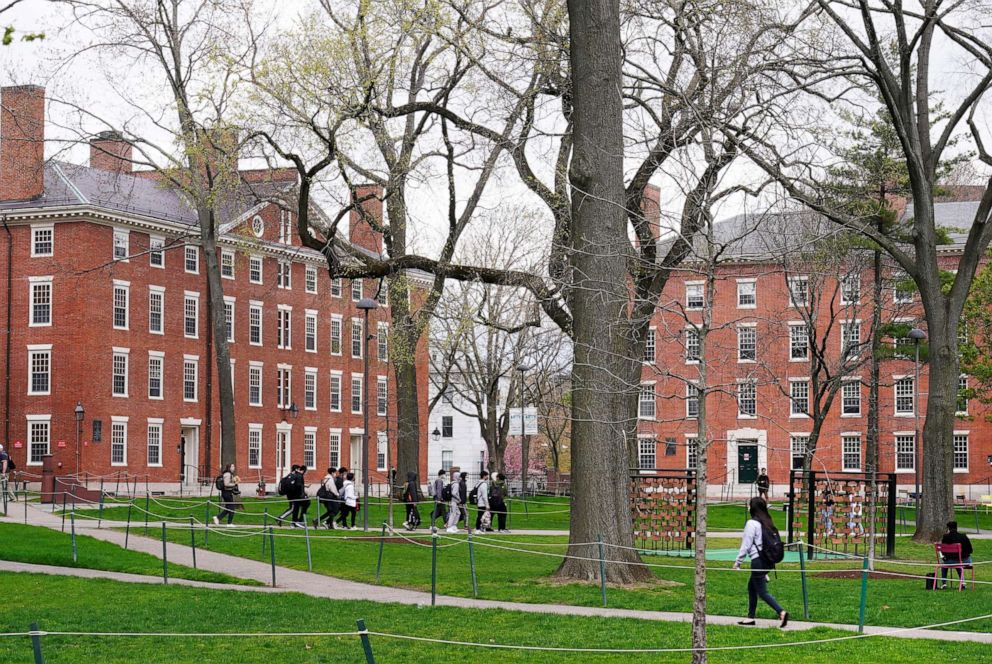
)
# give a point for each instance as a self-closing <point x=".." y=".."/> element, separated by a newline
<point x="874" y="379"/>
<point x="407" y="408"/>
<point x="937" y="474"/>
<point x="599" y="298"/>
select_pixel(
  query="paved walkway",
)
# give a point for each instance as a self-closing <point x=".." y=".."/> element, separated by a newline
<point x="322" y="586"/>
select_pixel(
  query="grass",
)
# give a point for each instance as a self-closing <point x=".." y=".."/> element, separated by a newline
<point x="68" y="604"/>
<point x="35" y="544"/>
<point x="525" y="577"/>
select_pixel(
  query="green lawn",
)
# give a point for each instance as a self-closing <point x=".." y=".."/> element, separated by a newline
<point x="67" y="604"/>
<point x="34" y="544"/>
<point x="521" y="576"/>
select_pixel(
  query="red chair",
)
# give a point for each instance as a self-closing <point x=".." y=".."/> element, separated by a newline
<point x="953" y="551"/>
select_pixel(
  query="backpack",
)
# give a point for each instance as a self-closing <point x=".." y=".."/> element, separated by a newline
<point x="446" y="492"/>
<point x="322" y="492"/>
<point x="10" y="461"/>
<point x="931" y="581"/>
<point x="286" y="485"/>
<point x="219" y="482"/>
<point x="473" y="495"/>
<point x="495" y="493"/>
<point x="772" y="549"/>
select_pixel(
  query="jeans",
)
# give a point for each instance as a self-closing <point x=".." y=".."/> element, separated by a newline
<point x="345" y="511"/>
<point x="757" y="586"/>
<point x="226" y="506"/>
<point x="952" y="562"/>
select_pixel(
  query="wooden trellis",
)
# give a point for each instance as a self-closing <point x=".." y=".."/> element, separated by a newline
<point x="664" y="509"/>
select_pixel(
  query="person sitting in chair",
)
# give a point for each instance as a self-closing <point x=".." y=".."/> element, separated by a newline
<point x="954" y="537"/>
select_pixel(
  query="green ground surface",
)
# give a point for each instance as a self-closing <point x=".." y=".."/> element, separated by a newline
<point x="67" y="604"/>
<point x="525" y="576"/>
<point x="34" y="544"/>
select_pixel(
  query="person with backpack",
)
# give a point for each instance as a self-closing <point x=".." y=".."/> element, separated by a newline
<point x="350" y="496"/>
<point x="451" y="495"/>
<point x="411" y="495"/>
<point x="227" y="484"/>
<point x="497" y="501"/>
<point x="6" y="466"/>
<point x="483" y="517"/>
<point x="329" y="499"/>
<point x="763" y="546"/>
<point x="287" y="489"/>
<point x="300" y="501"/>
<point x="463" y="498"/>
<point x="437" y="490"/>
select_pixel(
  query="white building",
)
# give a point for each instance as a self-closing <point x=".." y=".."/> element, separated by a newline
<point x="454" y="439"/>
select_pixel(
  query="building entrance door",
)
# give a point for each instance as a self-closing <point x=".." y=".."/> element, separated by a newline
<point x="283" y="450"/>
<point x="357" y="466"/>
<point x="747" y="461"/>
<point x="189" y="455"/>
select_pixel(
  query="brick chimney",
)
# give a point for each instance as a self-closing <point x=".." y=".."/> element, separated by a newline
<point x="22" y="142"/>
<point x="110" y="152"/>
<point x="651" y="209"/>
<point x="360" y="233"/>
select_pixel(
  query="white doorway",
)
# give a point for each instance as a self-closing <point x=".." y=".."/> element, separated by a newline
<point x="189" y="455"/>
<point x="284" y="444"/>
<point x="357" y="466"/>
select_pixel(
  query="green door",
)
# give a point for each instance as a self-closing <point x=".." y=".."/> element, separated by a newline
<point x="747" y="461"/>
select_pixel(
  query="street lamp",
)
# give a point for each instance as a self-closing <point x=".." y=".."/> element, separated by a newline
<point x="917" y="335"/>
<point x="79" y="429"/>
<point x="524" y="458"/>
<point x="436" y="434"/>
<point x="366" y="304"/>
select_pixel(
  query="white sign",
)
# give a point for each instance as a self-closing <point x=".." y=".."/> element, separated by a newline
<point x="530" y="421"/>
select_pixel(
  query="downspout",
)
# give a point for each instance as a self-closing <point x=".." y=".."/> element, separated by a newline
<point x="10" y="278"/>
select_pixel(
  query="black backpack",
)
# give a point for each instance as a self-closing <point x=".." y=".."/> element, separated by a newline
<point x="219" y="482"/>
<point x="473" y="495"/>
<point x="10" y="462"/>
<point x="446" y="492"/>
<point x="772" y="549"/>
<point x="496" y="493"/>
<point x="322" y="492"/>
<point x="286" y="485"/>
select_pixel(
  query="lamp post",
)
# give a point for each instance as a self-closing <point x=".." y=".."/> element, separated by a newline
<point x="366" y="304"/>
<point x="917" y="335"/>
<point x="524" y="452"/>
<point x="436" y="434"/>
<point x="79" y="412"/>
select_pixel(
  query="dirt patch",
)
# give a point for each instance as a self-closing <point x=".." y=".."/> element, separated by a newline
<point x="850" y="574"/>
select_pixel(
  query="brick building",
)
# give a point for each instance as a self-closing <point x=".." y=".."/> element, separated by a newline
<point x="106" y="305"/>
<point x="758" y="363"/>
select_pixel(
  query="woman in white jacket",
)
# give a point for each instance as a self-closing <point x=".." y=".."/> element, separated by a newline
<point x="350" y="497"/>
<point x="751" y="545"/>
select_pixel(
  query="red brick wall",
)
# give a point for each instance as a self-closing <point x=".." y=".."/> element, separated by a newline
<point x="22" y="142"/>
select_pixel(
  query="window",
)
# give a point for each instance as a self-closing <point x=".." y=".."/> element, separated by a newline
<point x="902" y="289"/>
<point x="192" y="259"/>
<point x="447" y="426"/>
<point x="156" y="360"/>
<point x="255" y="384"/>
<point x="691" y="452"/>
<point x="905" y="396"/>
<point x="39" y="438"/>
<point x="227" y="264"/>
<point x="798" y="444"/>
<point x="381" y="447"/>
<point x="284" y="275"/>
<point x="650" y="347"/>
<point x="284" y="331"/>
<point x="258" y="226"/>
<point x="647" y="449"/>
<point x="156" y="310"/>
<point x="310" y="330"/>
<point x="356" y="290"/>
<point x="962" y="401"/>
<point x="191" y="367"/>
<point x="382" y="342"/>
<point x="122" y="240"/>
<point x="41" y="240"/>
<point x="851" y="452"/>
<point x="311" y="279"/>
<point x="40" y="369"/>
<point x="120" y="372"/>
<point x="97" y="431"/>
<point x="746" y="294"/>
<point x="255" y="269"/>
<point x="154" y="450"/>
<point x="646" y="403"/>
<point x="254" y="446"/>
<point x="334" y="449"/>
<point x="229" y="318"/>
<point x="191" y="315"/>
<point x="336" y="324"/>
<point x="799" y="291"/>
<point x="694" y="298"/>
<point x="356" y="338"/>
<point x="381" y="395"/>
<point x="850" y="338"/>
<point x="382" y="295"/>
<point x="747" y="399"/>
<point x="905" y="452"/>
<point x="850" y="289"/>
<point x="691" y="345"/>
<point x="284" y="387"/>
<point x="310" y="389"/>
<point x="255" y="323"/>
<point x="961" y="451"/>
<point x="118" y="441"/>
<point x="799" y="397"/>
<point x="335" y="392"/>
<point x="286" y="227"/>
<point x="356" y="394"/>
<point x="447" y="460"/>
<point x="336" y="287"/>
<point x="747" y="344"/>
<point x="691" y="401"/>
<point x="41" y="301"/>
<point x="851" y="397"/>
<point x="798" y="342"/>
<point x="121" y="296"/>
<point x="156" y="256"/>
<point x="310" y="447"/>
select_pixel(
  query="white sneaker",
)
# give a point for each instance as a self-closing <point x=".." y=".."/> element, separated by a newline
<point x="216" y="521"/>
<point x="230" y="525"/>
<point x="406" y="525"/>
<point x="452" y="529"/>
<point x="353" y="528"/>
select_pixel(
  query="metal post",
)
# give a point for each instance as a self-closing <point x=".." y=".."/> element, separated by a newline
<point x="127" y="529"/>
<point x="471" y="565"/>
<point x="25" y="507"/>
<point x="165" y="562"/>
<point x="602" y="569"/>
<point x="72" y="520"/>
<point x="99" y="518"/>
<point x="864" y="596"/>
<point x="147" y="510"/>
<point x="382" y="543"/>
<point x="192" y="537"/>
<point x="206" y="523"/>
<point x="811" y="514"/>
<point x="265" y="524"/>
<point x="802" y="576"/>
<point x="63" y="511"/>
<point x="366" y="643"/>
<point x="433" y="568"/>
<point x="890" y="535"/>
<point x="306" y="534"/>
<point x="272" y="554"/>
<point x="36" y="643"/>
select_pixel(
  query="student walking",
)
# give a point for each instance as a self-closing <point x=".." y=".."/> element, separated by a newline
<point x="6" y="466"/>
<point x="454" y="501"/>
<point x="287" y="488"/>
<point x="463" y="498"/>
<point x="350" y="496"/>
<point x="483" y="517"/>
<point x="411" y="495"/>
<point x="763" y="483"/>
<point x="497" y="501"/>
<point x="227" y="483"/>
<point x="329" y="499"/>
<point x="437" y="490"/>
<point x="300" y="501"/>
<point x="762" y="545"/>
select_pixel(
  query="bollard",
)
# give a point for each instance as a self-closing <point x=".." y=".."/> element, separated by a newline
<point x="471" y="565"/>
<point x="382" y="542"/>
<point x="602" y="569"/>
<point x="36" y="643"/>
<point x="272" y="554"/>
<point x="72" y="520"/>
<point x="192" y="537"/>
<point x="63" y="511"/>
<point x="433" y="568"/>
<point x="25" y="507"/>
<point x="265" y="524"/>
<point x="306" y="534"/>
<point x="978" y="528"/>
<point x="99" y="518"/>
<point x="802" y="576"/>
<point x="864" y="596"/>
<point x="509" y="516"/>
<point x="147" y="510"/>
<point x="127" y="529"/>
<point x="366" y="643"/>
<point x="165" y="562"/>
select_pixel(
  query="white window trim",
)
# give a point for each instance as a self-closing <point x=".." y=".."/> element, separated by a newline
<point x="224" y="253"/>
<point x="961" y="471"/>
<point x="160" y="238"/>
<point x="360" y="378"/>
<point x="160" y="423"/>
<point x="340" y="376"/>
<point x="895" y="379"/>
<point x="161" y="291"/>
<point x="799" y="416"/>
<point x="307" y="373"/>
<point x="755" y="327"/>
<point x="747" y="280"/>
<point x="699" y="282"/>
<point x="654" y="402"/>
<point x="861" y="448"/>
<point x="161" y="355"/>
<point x="195" y="295"/>
<point x="789" y="291"/>
<point x="307" y="270"/>
<point x="256" y="304"/>
<point x="351" y="339"/>
<point x="254" y="426"/>
<point x="860" y="413"/>
<point x="126" y="352"/>
<point x="261" y="269"/>
<point x="40" y="348"/>
<point x="381" y="380"/>
<point x="737" y="401"/>
<point x="118" y="419"/>
<point x="51" y="300"/>
<point x="27" y="442"/>
<point x="843" y="300"/>
<point x="126" y="285"/>
<point x="685" y="354"/>
<point x="42" y="227"/>
<point x="254" y="364"/>
<point x="962" y="413"/>
<point x="126" y="233"/>
<point x="196" y="250"/>
<point x="340" y="286"/>
<point x="849" y="321"/>
<point x="797" y="323"/>
<point x="340" y="319"/>
<point x="196" y="381"/>
<point x="895" y="453"/>
<point x="308" y="315"/>
<point x="652" y="333"/>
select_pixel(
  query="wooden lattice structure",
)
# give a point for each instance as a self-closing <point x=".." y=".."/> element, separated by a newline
<point x="663" y="505"/>
<point x="831" y="510"/>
